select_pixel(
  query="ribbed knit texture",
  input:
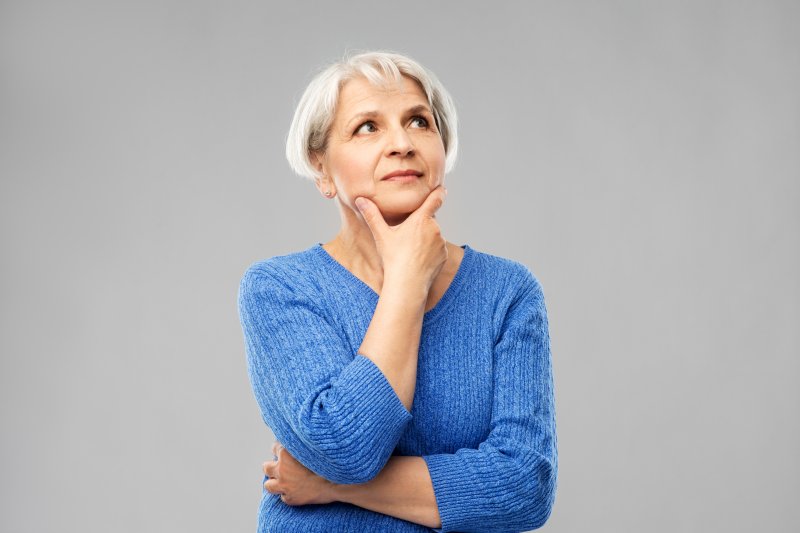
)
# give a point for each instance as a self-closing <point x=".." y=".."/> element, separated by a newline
<point x="483" y="416"/>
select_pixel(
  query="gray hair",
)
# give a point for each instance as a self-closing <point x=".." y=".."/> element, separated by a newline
<point x="314" y="115"/>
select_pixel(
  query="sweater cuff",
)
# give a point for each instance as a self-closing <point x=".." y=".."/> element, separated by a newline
<point x="374" y="423"/>
<point x="450" y="488"/>
<point x="372" y="395"/>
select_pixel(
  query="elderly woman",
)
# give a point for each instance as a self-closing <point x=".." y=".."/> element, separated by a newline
<point x="407" y="380"/>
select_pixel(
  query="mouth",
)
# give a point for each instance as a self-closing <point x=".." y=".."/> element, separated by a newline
<point x="402" y="175"/>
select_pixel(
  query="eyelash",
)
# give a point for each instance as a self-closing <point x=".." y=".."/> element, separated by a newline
<point x="416" y="117"/>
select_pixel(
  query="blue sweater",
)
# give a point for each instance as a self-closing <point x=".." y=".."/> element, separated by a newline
<point x="483" y="416"/>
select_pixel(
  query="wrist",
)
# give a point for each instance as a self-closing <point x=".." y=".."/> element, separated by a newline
<point x="410" y="287"/>
<point x="340" y="493"/>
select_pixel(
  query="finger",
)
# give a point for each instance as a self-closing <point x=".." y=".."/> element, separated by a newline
<point x="433" y="202"/>
<point x="270" y="468"/>
<point x="272" y="486"/>
<point x="372" y="216"/>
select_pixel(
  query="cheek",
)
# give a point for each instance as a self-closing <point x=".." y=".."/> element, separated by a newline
<point x="354" y="174"/>
<point x="437" y="158"/>
<point x="353" y="165"/>
<point x="358" y="168"/>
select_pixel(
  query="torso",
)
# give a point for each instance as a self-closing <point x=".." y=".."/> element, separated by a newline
<point x="457" y="393"/>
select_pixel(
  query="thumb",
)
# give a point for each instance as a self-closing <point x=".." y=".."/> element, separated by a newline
<point x="372" y="216"/>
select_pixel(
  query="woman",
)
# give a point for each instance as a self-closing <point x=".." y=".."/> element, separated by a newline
<point x="407" y="380"/>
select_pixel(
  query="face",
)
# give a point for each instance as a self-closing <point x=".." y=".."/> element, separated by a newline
<point x="377" y="131"/>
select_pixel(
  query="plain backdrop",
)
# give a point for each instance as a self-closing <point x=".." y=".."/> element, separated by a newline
<point x="642" y="158"/>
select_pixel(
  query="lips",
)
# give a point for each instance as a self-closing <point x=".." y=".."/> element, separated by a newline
<point x="406" y="172"/>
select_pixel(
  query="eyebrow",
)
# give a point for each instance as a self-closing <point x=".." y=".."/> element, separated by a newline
<point x="372" y="114"/>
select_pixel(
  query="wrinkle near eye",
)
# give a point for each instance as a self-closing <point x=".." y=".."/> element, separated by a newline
<point x="358" y="129"/>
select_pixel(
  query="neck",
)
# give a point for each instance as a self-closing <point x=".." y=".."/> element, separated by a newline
<point x="354" y="246"/>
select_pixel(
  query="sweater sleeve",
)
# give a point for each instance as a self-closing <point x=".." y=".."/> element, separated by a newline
<point x="331" y="408"/>
<point x="509" y="482"/>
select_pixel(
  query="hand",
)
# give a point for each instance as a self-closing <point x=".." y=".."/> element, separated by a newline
<point x="415" y="247"/>
<point x="296" y="484"/>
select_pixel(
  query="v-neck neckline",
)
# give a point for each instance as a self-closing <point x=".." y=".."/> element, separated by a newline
<point x="452" y="290"/>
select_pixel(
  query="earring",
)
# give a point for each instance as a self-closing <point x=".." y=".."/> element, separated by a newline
<point x="328" y="194"/>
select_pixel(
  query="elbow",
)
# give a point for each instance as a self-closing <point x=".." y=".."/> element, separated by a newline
<point x="341" y="465"/>
<point x="544" y="496"/>
<point x="532" y="504"/>
<point x="352" y="473"/>
<point x="338" y="460"/>
<point x="349" y="452"/>
<point x="541" y="513"/>
<point x="346" y="461"/>
<point x="353" y="429"/>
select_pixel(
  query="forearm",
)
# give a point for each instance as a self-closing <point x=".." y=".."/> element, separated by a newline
<point x="392" y="339"/>
<point x="403" y="489"/>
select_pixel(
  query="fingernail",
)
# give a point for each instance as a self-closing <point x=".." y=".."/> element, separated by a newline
<point x="360" y="204"/>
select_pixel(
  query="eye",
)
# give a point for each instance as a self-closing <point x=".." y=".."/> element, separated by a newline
<point x="422" y="120"/>
<point x="369" y="123"/>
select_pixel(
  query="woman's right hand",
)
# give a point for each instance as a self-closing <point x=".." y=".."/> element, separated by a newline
<point x="414" y="250"/>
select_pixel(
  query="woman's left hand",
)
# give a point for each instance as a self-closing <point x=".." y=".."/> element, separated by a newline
<point x="296" y="484"/>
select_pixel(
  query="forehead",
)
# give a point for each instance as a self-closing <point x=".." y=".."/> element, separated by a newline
<point x="359" y="95"/>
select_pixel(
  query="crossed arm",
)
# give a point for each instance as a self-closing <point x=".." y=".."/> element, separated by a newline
<point x="353" y="466"/>
<point x="344" y="419"/>
<point x="403" y="489"/>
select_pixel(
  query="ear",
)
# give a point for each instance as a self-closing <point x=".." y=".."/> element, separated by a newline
<point x="318" y="162"/>
<point x="323" y="182"/>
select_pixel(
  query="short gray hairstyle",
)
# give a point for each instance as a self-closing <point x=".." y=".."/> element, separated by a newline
<point x="314" y="115"/>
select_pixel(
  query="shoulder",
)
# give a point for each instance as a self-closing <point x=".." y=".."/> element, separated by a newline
<point x="511" y="276"/>
<point x="294" y="273"/>
<point x="511" y="294"/>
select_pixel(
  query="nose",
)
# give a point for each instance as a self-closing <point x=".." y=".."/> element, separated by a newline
<point x="399" y="143"/>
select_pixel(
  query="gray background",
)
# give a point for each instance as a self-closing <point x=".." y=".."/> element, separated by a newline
<point x="642" y="158"/>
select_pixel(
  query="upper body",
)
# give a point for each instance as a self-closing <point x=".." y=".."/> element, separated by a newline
<point x="483" y="415"/>
<point x="407" y="379"/>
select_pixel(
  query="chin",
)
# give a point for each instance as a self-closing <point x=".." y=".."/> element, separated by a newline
<point x="400" y="206"/>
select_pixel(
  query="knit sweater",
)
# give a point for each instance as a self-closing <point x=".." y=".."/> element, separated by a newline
<point x="483" y="415"/>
